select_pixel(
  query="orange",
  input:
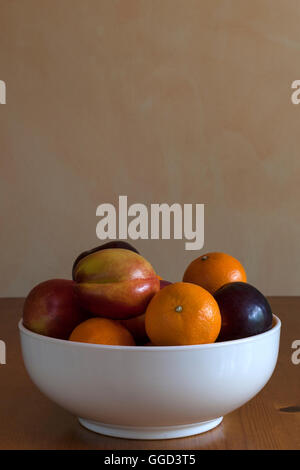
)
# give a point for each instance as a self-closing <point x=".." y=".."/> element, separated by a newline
<point x="213" y="270"/>
<point x="182" y="314"/>
<point x="136" y="326"/>
<point x="102" y="331"/>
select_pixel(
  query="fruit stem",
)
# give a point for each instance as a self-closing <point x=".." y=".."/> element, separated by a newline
<point x="178" y="309"/>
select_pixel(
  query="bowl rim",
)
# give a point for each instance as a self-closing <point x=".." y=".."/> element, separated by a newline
<point x="48" y="339"/>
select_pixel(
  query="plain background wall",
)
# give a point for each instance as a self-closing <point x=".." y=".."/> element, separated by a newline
<point x="183" y="101"/>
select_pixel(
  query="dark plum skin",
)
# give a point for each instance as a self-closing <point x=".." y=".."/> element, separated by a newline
<point x="164" y="283"/>
<point x="244" y="310"/>
<point x="105" y="246"/>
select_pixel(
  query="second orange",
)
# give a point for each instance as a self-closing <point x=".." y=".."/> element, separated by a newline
<point x="213" y="270"/>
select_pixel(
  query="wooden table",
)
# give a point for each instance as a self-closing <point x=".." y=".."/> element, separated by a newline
<point x="28" y="420"/>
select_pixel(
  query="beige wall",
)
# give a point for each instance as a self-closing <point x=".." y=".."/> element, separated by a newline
<point x="161" y="100"/>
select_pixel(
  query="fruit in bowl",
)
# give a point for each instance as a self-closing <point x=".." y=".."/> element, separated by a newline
<point x="136" y="325"/>
<point x="212" y="270"/>
<point x="115" y="283"/>
<point x="185" y="377"/>
<point x="109" y="245"/>
<point x="102" y="331"/>
<point x="164" y="283"/>
<point x="51" y="309"/>
<point x="244" y="310"/>
<point x="182" y="314"/>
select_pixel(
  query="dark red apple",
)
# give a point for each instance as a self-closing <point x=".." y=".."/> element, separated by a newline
<point x="52" y="309"/>
<point x="244" y="310"/>
<point x="105" y="246"/>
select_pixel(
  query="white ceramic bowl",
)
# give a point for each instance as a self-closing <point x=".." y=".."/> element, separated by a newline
<point x="150" y="392"/>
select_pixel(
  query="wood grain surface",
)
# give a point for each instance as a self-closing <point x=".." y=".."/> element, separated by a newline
<point x="271" y="420"/>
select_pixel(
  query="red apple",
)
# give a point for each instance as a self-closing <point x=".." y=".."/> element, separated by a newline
<point x="136" y="326"/>
<point x="52" y="309"/>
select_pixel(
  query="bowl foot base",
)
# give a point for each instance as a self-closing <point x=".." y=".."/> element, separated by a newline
<point x="157" y="432"/>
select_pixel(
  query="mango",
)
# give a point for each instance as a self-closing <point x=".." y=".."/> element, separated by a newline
<point x="115" y="283"/>
<point x="136" y="325"/>
<point x="105" y="246"/>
